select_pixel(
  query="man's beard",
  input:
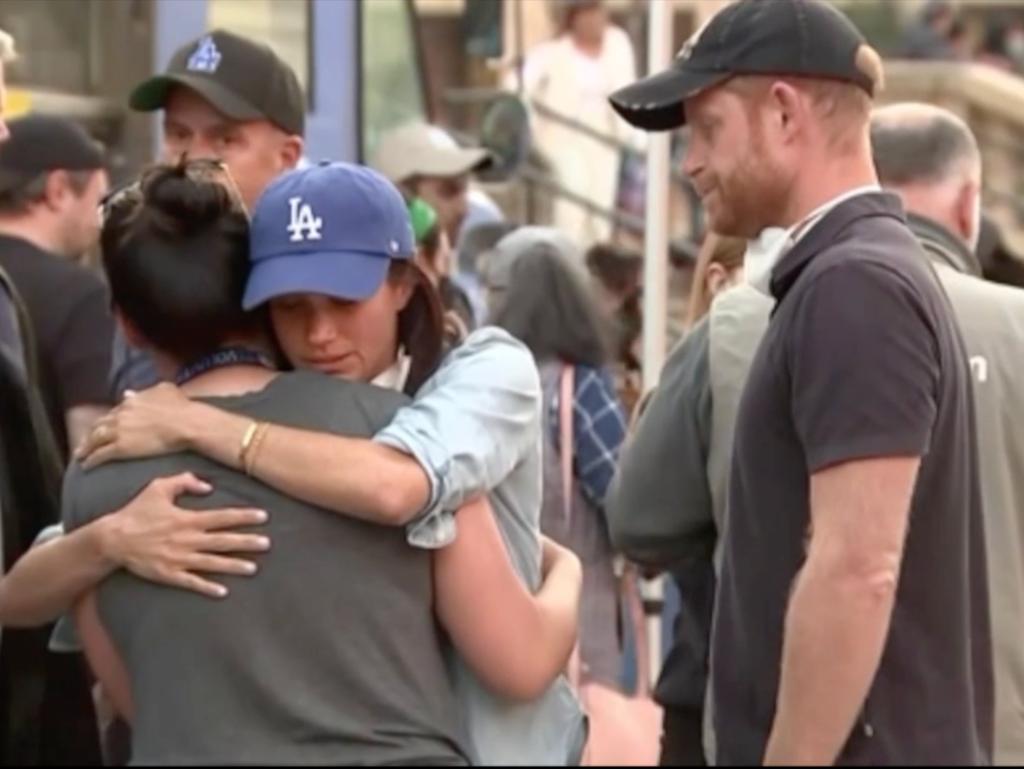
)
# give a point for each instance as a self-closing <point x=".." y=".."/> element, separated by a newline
<point x="754" y="196"/>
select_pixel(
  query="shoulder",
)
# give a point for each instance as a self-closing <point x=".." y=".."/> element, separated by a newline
<point x="76" y="286"/>
<point x="858" y="271"/>
<point x="313" y="387"/>
<point x="618" y="37"/>
<point x="489" y="356"/>
<point x="990" y="308"/>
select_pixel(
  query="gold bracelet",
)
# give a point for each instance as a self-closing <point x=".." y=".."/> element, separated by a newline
<point x="257" y="442"/>
<point x="250" y="433"/>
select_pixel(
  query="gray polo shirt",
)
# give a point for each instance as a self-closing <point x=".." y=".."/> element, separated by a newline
<point x="331" y="656"/>
<point x="862" y="358"/>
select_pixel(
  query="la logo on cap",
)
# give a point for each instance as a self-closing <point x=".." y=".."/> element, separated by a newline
<point x="206" y="57"/>
<point x="304" y="226"/>
<point x="687" y="50"/>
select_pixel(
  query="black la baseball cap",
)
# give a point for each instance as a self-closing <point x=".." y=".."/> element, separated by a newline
<point x="242" y="78"/>
<point x="41" y="143"/>
<point x="807" y="38"/>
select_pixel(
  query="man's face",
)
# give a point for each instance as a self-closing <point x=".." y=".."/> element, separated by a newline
<point x="589" y="23"/>
<point x="79" y="220"/>
<point x="740" y="177"/>
<point x="255" y="152"/>
<point x="449" y="197"/>
<point x="4" y="132"/>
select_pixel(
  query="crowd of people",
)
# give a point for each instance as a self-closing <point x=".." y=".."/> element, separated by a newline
<point x="941" y="32"/>
<point x="332" y="464"/>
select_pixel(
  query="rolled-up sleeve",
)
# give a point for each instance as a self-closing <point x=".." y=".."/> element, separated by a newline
<point x="471" y="424"/>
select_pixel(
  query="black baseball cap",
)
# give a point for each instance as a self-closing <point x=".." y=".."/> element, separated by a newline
<point x="807" y="38"/>
<point x="242" y="78"/>
<point x="41" y="143"/>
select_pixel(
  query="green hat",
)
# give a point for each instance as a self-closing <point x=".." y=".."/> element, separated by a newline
<point x="423" y="216"/>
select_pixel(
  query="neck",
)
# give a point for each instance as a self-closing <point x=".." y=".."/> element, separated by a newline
<point x="234" y="379"/>
<point x="42" y="235"/>
<point x="933" y="204"/>
<point x="831" y="179"/>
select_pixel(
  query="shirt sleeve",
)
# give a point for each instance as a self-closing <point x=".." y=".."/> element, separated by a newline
<point x="865" y="367"/>
<point x="659" y="506"/>
<point x="599" y="427"/>
<point x="83" y="354"/>
<point x="470" y="425"/>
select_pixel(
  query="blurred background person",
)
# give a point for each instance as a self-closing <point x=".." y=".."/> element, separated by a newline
<point x="46" y="712"/>
<point x="434" y="257"/>
<point x="543" y="299"/>
<point x="477" y="241"/>
<point x="573" y="76"/>
<point x="617" y="274"/>
<point x="669" y="494"/>
<point x="719" y="267"/>
<point x="929" y="37"/>
<point x="52" y="180"/>
<point x="425" y="161"/>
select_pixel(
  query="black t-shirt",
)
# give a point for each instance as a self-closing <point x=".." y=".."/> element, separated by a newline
<point x="73" y="327"/>
<point x="862" y="359"/>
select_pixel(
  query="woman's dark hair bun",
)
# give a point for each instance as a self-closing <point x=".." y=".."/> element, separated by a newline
<point x="187" y="198"/>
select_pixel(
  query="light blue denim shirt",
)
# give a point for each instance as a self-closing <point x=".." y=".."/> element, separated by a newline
<point x="475" y="427"/>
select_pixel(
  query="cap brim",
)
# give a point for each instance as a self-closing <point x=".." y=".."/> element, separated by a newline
<point x="152" y="95"/>
<point x="349" y="275"/>
<point x="656" y="103"/>
<point x="452" y="162"/>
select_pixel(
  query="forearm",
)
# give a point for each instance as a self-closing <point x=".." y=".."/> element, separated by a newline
<point x="558" y="604"/>
<point x="517" y="643"/>
<point x="46" y="581"/>
<point x="836" y="628"/>
<point x="355" y="477"/>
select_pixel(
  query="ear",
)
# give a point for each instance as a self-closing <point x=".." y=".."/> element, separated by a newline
<point x="131" y="332"/>
<point x="57" y="188"/>
<point x="716" y="278"/>
<point x="967" y="220"/>
<point x="404" y="287"/>
<point x="787" y="109"/>
<point x="291" y="151"/>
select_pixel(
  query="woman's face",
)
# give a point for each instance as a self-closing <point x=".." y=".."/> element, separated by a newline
<point x="352" y="340"/>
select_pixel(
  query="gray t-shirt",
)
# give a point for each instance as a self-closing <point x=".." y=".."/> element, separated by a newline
<point x="330" y="656"/>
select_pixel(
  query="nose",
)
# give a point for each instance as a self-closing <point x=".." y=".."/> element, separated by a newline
<point x="320" y="328"/>
<point x="693" y="160"/>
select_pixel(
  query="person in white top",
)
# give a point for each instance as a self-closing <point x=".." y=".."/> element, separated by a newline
<point x="573" y="76"/>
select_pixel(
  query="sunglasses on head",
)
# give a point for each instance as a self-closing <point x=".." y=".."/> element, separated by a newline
<point x="198" y="169"/>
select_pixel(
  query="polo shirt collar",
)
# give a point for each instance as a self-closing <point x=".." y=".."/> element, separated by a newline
<point x="825" y="230"/>
<point x="768" y="249"/>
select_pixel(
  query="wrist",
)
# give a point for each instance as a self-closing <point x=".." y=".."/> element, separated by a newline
<point x="196" y="420"/>
<point x="108" y="541"/>
<point x="214" y="433"/>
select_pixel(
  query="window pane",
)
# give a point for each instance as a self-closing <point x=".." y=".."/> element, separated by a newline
<point x="392" y="86"/>
<point x="54" y="41"/>
<point x="282" y="24"/>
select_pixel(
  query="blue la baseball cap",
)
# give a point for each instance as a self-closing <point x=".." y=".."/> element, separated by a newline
<point x="331" y="229"/>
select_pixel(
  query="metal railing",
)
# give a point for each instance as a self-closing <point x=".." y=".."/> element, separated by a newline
<point x="546" y="182"/>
